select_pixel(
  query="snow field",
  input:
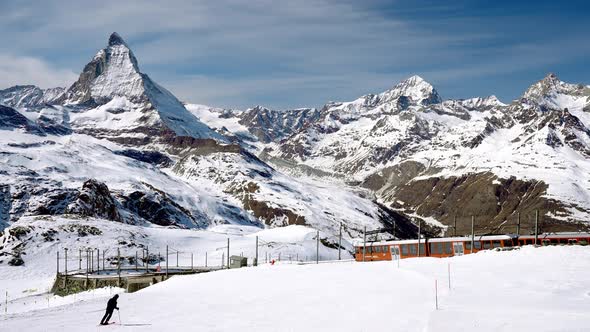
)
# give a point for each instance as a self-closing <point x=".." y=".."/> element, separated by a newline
<point x="541" y="289"/>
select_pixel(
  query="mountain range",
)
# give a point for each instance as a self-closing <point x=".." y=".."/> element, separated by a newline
<point x="116" y="145"/>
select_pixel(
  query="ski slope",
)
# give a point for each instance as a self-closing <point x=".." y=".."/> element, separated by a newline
<point x="531" y="289"/>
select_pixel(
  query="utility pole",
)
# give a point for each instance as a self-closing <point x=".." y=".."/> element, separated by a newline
<point x="79" y="259"/>
<point x="66" y="258"/>
<point x="228" y="252"/>
<point x="256" y="259"/>
<point x="472" y="233"/>
<point x="98" y="259"/>
<point x="419" y="236"/>
<point x="119" y="266"/>
<point x="394" y="224"/>
<point x="57" y="269"/>
<point x="518" y="224"/>
<point x="135" y="260"/>
<point x="536" y="226"/>
<point x="364" y="243"/>
<point x="192" y="269"/>
<point x="205" y="259"/>
<point x="340" y="242"/>
<point x="166" y="261"/>
<point x="317" y="248"/>
<point x="176" y="258"/>
<point x="147" y="258"/>
<point x="455" y="225"/>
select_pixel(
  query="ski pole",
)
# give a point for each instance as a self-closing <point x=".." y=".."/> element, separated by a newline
<point x="119" y="313"/>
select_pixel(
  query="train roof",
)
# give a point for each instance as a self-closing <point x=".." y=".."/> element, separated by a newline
<point x="564" y="235"/>
<point x="439" y="239"/>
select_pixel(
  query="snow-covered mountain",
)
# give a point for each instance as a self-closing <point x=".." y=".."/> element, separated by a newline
<point x="29" y="96"/>
<point x="117" y="146"/>
<point x="440" y="159"/>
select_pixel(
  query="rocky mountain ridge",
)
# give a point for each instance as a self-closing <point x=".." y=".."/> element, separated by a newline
<point x="129" y="151"/>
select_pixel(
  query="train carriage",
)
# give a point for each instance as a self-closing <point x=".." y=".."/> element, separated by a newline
<point x="434" y="247"/>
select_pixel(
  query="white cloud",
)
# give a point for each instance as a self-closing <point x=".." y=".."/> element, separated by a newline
<point x="19" y="70"/>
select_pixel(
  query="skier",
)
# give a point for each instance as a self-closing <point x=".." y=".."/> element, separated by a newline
<point x="111" y="305"/>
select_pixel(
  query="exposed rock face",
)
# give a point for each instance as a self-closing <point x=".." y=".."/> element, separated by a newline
<point x="29" y="96"/>
<point x="157" y="208"/>
<point x="272" y="126"/>
<point x="5" y="205"/>
<point x="492" y="200"/>
<point x="95" y="200"/>
<point x="12" y="119"/>
<point x="151" y="157"/>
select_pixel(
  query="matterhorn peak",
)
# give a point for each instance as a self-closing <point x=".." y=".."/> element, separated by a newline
<point x="113" y="74"/>
<point x="116" y="39"/>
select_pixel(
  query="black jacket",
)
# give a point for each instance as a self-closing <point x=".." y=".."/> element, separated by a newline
<point x="112" y="304"/>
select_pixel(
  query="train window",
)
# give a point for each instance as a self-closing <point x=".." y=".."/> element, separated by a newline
<point x="448" y="248"/>
<point x="477" y="245"/>
<point x="487" y="245"/>
<point x="572" y="241"/>
<point x="497" y="243"/>
<point x="413" y="249"/>
<point x="404" y="248"/>
<point x="385" y="249"/>
<point x="468" y="245"/>
<point x="507" y="243"/>
<point x="422" y="249"/>
<point x="434" y="248"/>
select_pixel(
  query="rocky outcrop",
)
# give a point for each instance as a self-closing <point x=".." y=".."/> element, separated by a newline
<point x="95" y="200"/>
<point x="272" y="126"/>
<point x="151" y="157"/>
<point x="29" y="96"/>
<point x="156" y="207"/>
<point x="494" y="202"/>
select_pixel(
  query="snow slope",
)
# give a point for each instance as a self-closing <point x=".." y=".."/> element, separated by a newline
<point x="532" y="289"/>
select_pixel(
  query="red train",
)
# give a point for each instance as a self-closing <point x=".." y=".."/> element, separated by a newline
<point x="456" y="246"/>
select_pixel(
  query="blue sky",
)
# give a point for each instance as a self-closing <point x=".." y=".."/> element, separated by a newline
<point x="286" y="54"/>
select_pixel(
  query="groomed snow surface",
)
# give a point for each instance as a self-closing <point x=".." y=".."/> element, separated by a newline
<point x="531" y="289"/>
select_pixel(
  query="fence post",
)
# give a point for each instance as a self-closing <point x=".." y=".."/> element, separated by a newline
<point x="449" y="272"/>
<point x="436" y="293"/>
